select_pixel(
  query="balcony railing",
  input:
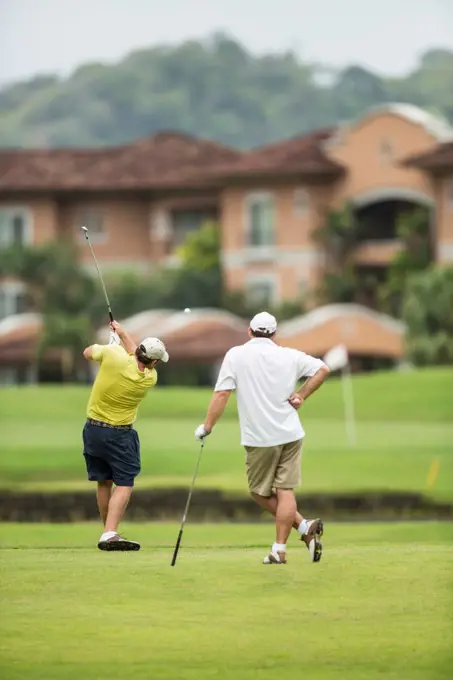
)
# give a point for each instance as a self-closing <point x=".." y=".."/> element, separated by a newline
<point x="375" y="253"/>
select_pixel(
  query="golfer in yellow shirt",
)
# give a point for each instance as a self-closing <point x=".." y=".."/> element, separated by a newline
<point x="111" y="445"/>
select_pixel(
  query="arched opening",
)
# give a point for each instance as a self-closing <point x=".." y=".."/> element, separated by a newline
<point x="392" y="234"/>
<point x="380" y="221"/>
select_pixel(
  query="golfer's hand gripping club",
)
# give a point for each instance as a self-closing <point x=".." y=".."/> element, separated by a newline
<point x="114" y="338"/>
<point x="201" y="432"/>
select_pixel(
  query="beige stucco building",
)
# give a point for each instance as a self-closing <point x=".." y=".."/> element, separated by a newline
<point x="140" y="200"/>
<point x="268" y="218"/>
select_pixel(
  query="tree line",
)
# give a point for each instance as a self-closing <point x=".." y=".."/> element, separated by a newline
<point x="213" y="88"/>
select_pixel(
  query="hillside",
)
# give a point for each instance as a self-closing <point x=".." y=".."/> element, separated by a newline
<point x="215" y="89"/>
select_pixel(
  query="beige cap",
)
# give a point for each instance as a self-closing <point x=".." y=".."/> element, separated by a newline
<point x="153" y="348"/>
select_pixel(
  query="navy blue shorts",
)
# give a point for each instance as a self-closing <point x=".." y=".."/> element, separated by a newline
<point x="111" y="454"/>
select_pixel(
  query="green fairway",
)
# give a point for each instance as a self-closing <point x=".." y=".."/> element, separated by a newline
<point x="404" y="426"/>
<point x="423" y="395"/>
<point x="379" y="605"/>
<point x="389" y="456"/>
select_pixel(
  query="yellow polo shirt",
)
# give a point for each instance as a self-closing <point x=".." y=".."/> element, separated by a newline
<point x="119" y="386"/>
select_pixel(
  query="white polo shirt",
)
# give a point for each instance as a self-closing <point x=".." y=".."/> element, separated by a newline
<point x="265" y="375"/>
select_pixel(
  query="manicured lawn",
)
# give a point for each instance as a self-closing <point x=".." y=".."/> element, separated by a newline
<point x="422" y="395"/>
<point x="393" y="456"/>
<point x="379" y="605"/>
<point x="404" y="425"/>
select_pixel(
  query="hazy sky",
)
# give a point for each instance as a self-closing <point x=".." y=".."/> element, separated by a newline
<point x="45" y="36"/>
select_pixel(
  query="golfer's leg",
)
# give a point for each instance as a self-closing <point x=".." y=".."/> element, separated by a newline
<point x="110" y="539"/>
<point x="97" y="468"/>
<point x="124" y="460"/>
<point x="269" y="503"/>
<point x="104" y="493"/>
<point x="117" y="507"/>
<point x="285" y="515"/>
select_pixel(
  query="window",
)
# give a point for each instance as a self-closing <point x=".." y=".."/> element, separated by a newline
<point x="260" y="220"/>
<point x="93" y="220"/>
<point x="160" y="226"/>
<point x="13" y="299"/>
<point x="301" y="202"/>
<point x="15" y="226"/>
<point x="261" y="290"/>
<point x="187" y="221"/>
<point x="386" y="151"/>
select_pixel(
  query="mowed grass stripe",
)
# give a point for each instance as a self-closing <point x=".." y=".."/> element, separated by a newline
<point x="404" y="427"/>
<point x="162" y="534"/>
<point x="395" y="456"/>
<point x="421" y="396"/>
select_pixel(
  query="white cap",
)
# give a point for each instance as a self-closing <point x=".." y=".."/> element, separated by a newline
<point x="264" y="322"/>
<point x="153" y="348"/>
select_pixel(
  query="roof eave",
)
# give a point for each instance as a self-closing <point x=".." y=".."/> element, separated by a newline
<point x="272" y="173"/>
<point x="111" y="187"/>
<point x="435" y="167"/>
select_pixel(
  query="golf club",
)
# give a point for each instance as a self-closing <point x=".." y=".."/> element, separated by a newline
<point x="186" y="510"/>
<point x="85" y="231"/>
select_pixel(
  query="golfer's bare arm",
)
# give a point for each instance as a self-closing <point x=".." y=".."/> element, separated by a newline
<point x="216" y="408"/>
<point x="128" y="343"/>
<point x="88" y="353"/>
<point x="314" y="383"/>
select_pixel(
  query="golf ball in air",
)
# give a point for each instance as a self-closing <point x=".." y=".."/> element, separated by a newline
<point x="187" y="310"/>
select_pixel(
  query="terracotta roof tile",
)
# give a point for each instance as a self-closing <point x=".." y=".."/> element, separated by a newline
<point x="166" y="159"/>
<point x="298" y="155"/>
<point x="19" y="336"/>
<point x="205" y="334"/>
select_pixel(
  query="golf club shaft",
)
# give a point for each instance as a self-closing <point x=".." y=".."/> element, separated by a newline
<point x="176" y="550"/>
<point x="186" y="510"/>
<point x="85" y="231"/>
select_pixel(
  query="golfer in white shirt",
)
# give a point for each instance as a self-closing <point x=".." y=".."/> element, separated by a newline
<point x="265" y="377"/>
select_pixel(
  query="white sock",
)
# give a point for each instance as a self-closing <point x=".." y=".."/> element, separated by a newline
<point x="279" y="547"/>
<point x="106" y="535"/>
<point x="303" y="527"/>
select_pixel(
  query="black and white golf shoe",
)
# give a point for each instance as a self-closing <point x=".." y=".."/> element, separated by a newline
<point x="118" y="543"/>
<point x="312" y="539"/>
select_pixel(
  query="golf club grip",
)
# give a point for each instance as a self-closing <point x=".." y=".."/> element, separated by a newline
<point x="178" y="543"/>
<point x="111" y="316"/>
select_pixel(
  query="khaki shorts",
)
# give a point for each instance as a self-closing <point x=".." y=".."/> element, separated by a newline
<point x="270" y="467"/>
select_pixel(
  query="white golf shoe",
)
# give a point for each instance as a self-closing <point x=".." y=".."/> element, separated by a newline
<point x="275" y="558"/>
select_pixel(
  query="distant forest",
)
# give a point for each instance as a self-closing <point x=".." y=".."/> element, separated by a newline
<point x="215" y="89"/>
